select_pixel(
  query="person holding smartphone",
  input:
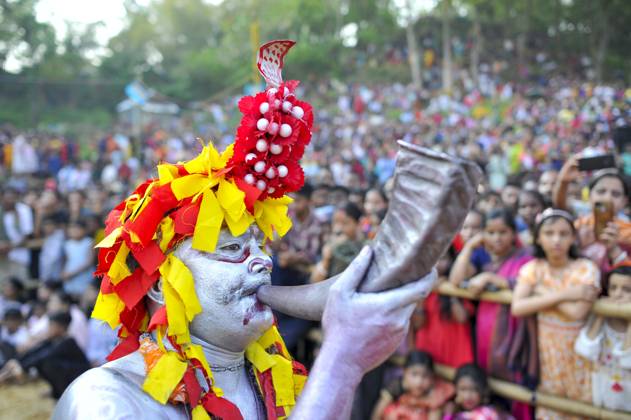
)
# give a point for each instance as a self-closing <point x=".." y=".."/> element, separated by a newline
<point x="604" y="234"/>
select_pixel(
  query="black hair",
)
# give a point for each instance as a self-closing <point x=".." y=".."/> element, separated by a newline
<point x="505" y="214"/>
<point x="305" y="191"/>
<point x="420" y="358"/>
<point x="58" y="218"/>
<point x="61" y="318"/>
<point x="536" y="195"/>
<point x="351" y="210"/>
<point x="477" y="375"/>
<point x="81" y="222"/>
<point x="13" y="314"/>
<point x="17" y="284"/>
<point x="340" y="188"/>
<point x="53" y="285"/>
<point x="623" y="270"/>
<point x="380" y="191"/>
<point x="538" y="251"/>
<point x="63" y="297"/>
<point x="609" y="174"/>
<point x="444" y="302"/>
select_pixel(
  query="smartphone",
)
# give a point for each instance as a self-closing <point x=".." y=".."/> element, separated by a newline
<point x="596" y="162"/>
<point x="603" y="214"/>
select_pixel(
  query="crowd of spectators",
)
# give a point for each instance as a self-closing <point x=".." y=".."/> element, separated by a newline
<point x="528" y="138"/>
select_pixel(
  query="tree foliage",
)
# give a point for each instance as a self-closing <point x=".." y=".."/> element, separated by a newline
<point x="192" y="50"/>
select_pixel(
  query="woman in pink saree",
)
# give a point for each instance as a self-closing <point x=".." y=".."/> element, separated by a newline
<point x="502" y="344"/>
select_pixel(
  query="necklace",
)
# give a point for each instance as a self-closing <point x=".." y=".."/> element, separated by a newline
<point x="231" y="368"/>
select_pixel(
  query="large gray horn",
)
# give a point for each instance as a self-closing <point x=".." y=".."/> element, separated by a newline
<point x="431" y="197"/>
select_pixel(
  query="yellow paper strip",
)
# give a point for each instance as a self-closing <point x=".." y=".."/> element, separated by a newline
<point x="164" y="377"/>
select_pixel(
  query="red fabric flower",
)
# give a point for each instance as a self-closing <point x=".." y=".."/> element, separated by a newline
<point x="292" y="146"/>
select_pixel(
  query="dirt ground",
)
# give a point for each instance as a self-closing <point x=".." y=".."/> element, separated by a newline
<point x="26" y="401"/>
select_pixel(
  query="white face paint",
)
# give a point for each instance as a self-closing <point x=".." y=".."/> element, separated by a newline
<point x="226" y="282"/>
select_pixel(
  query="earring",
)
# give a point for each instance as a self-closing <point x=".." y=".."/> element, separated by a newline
<point x="155" y="293"/>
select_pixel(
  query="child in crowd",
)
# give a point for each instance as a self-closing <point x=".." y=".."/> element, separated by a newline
<point x="13" y="330"/>
<point x="58" y="359"/>
<point x="11" y="297"/>
<point x="418" y="395"/>
<point x="607" y="343"/>
<point x="79" y="259"/>
<point x="442" y="322"/>
<point x="530" y="204"/>
<point x="472" y="396"/>
<point x="345" y="243"/>
<point x="559" y="288"/>
<point x="52" y="248"/>
<point x="503" y="345"/>
<point x="101" y="338"/>
<point x="375" y="203"/>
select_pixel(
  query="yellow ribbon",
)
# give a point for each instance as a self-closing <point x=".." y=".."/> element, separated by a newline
<point x="164" y="377"/>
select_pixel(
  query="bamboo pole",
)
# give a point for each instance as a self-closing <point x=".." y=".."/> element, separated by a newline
<point x="523" y="394"/>
<point x="602" y="308"/>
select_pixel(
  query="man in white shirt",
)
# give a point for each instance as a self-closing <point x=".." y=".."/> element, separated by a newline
<point x="17" y="219"/>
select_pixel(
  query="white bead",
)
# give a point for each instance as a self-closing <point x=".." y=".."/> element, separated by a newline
<point x="249" y="157"/>
<point x="259" y="166"/>
<point x="276" y="149"/>
<point x="264" y="107"/>
<point x="271" y="173"/>
<point x="271" y="190"/>
<point x="249" y="178"/>
<point x="272" y="92"/>
<point x="262" y="124"/>
<point x="287" y="106"/>
<point x="282" y="171"/>
<point x="260" y="184"/>
<point x="297" y="112"/>
<point x="273" y="128"/>
<point x="277" y="103"/>
<point x="285" y="92"/>
<point x="261" y="145"/>
<point x="285" y="130"/>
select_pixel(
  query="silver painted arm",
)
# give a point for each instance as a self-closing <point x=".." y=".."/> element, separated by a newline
<point x="361" y="330"/>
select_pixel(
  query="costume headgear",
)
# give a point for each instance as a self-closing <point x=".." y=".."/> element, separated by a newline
<point x="245" y="184"/>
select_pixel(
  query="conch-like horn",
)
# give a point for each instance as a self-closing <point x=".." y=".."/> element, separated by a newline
<point x="431" y="197"/>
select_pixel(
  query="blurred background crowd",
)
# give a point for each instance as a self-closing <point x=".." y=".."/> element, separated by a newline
<point x="526" y="112"/>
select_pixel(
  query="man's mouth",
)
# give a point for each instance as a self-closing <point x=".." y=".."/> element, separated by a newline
<point x="252" y="288"/>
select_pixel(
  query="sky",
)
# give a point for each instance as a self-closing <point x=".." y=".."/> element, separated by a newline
<point x="112" y="14"/>
<point x="83" y="12"/>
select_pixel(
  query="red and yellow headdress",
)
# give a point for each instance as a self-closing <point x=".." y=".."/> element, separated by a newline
<point x="245" y="184"/>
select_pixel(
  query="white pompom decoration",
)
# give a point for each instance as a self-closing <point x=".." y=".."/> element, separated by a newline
<point x="261" y="145"/>
<point x="259" y="166"/>
<point x="271" y="173"/>
<point x="285" y="92"/>
<point x="287" y="106"/>
<point x="264" y="107"/>
<point x="285" y="130"/>
<point x="277" y="103"/>
<point x="276" y="149"/>
<point x="271" y="190"/>
<point x="249" y="157"/>
<point x="273" y="128"/>
<point x="262" y="124"/>
<point x="272" y="92"/>
<point x="260" y="184"/>
<point x="298" y="112"/>
<point x="282" y="171"/>
<point x="249" y="178"/>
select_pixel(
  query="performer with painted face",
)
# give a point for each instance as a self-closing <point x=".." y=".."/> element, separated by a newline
<point x="186" y="281"/>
